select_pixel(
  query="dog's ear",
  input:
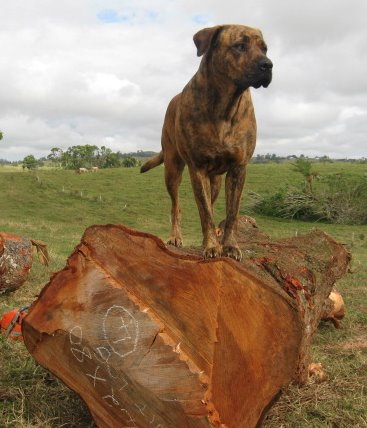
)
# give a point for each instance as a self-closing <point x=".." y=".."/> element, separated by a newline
<point x="204" y="38"/>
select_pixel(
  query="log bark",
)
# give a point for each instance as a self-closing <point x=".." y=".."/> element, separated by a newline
<point x="151" y="336"/>
<point x="15" y="261"/>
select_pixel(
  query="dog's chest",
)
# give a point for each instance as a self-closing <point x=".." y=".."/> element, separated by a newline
<point x="230" y="134"/>
<point x="218" y="155"/>
<point x="215" y="139"/>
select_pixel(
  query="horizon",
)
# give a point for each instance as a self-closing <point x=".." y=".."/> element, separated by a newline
<point x="267" y="156"/>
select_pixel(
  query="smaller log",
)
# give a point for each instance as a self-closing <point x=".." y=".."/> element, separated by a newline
<point x="15" y="261"/>
<point x="317" y="373"/>
<point x="334" y="308"/>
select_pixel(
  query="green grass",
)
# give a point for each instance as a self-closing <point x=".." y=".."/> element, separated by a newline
<point x="56" y="206"/>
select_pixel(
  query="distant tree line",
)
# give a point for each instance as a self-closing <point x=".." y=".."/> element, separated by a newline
<point x="85" y="156"/>
<point x="272" y="157"/>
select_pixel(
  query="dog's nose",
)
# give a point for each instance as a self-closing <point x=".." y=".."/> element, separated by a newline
<point x="265" y="64"/>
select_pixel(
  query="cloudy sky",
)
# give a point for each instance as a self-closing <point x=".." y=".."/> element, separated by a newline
<point x="103" y="71"/>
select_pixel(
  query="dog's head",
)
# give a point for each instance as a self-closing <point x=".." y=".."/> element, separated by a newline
<point x="237" y="53"/>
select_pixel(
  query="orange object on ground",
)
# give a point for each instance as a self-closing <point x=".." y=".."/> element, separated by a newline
<point x="11" y="323"/>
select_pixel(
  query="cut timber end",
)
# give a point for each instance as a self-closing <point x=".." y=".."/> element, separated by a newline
<point x="149" y="337"/>
<point x="154" y="337"/>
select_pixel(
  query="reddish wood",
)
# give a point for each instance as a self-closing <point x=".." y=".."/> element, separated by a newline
<point x="15" y="261"/>
<point x="150" y="336"/>
<point x="334" y="308"/>
<point x="305" y="267"/>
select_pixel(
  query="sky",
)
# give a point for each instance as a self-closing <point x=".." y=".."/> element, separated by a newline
<point x="102" y="72"/>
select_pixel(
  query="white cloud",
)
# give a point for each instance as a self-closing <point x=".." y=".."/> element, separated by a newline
<point x="97" y="72"/>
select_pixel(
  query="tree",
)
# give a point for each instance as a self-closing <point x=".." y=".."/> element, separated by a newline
<point x="30" y="162"/>
<point x="55" y="156"/>
<point x="66" y="160"/>
<point x="325" y="159"/>
<point x="1" y="135"/>
<point x="106" y="158"/>
<point x="129" y="162"/>
<point x="304" y="167"/>
<point x="112" y="160"/>
<point x="79" y="156"/>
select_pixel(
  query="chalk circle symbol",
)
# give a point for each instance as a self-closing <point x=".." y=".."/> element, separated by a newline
<point x="121" y="330"/>
<point x="76" y="335"/>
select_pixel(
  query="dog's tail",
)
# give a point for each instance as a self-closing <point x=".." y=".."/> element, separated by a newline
<point x="152" y="163"/>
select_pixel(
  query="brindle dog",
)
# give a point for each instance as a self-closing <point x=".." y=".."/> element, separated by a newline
<point x="210" y="126"/>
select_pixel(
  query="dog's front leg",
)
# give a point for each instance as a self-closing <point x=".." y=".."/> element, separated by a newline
<point x="202" y="191"/>
<point x="235" y="180"/>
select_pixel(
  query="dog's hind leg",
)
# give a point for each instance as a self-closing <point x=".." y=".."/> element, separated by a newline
<point x="174" y="166"/>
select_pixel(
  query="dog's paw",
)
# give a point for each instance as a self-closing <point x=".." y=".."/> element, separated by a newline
<point x="212" y="252"/>
<point x="232" y="251"/>
<point x="175" y="241"/>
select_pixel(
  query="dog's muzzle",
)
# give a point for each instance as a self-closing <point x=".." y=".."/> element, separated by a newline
<point x="264" y="73"/>
<point x="260" y="75"/>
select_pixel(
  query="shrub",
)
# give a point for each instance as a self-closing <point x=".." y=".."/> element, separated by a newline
<point x="288" y="203"/>
<point x="339" y="198"/>
<point x="270" y="205"/>
<point x="30" y="162"/>
<point x="129" y="162"/>
<point x="344" y="199"/>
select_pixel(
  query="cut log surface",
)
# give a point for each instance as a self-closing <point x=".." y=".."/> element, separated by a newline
<point x="149" y="336"/>
<point x="15" y="261"/>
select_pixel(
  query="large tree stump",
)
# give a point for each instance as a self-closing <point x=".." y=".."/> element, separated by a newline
<point x="149" y="336"/>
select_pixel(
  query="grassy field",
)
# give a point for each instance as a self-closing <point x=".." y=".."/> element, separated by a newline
<point x="56" y="206"/>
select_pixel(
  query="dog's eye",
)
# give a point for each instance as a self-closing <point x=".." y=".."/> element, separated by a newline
<point x="241" y="47"/>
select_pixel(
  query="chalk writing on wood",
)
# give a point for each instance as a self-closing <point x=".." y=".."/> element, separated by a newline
<point x="125" y="341"/>
<point x="120" y="331"/>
